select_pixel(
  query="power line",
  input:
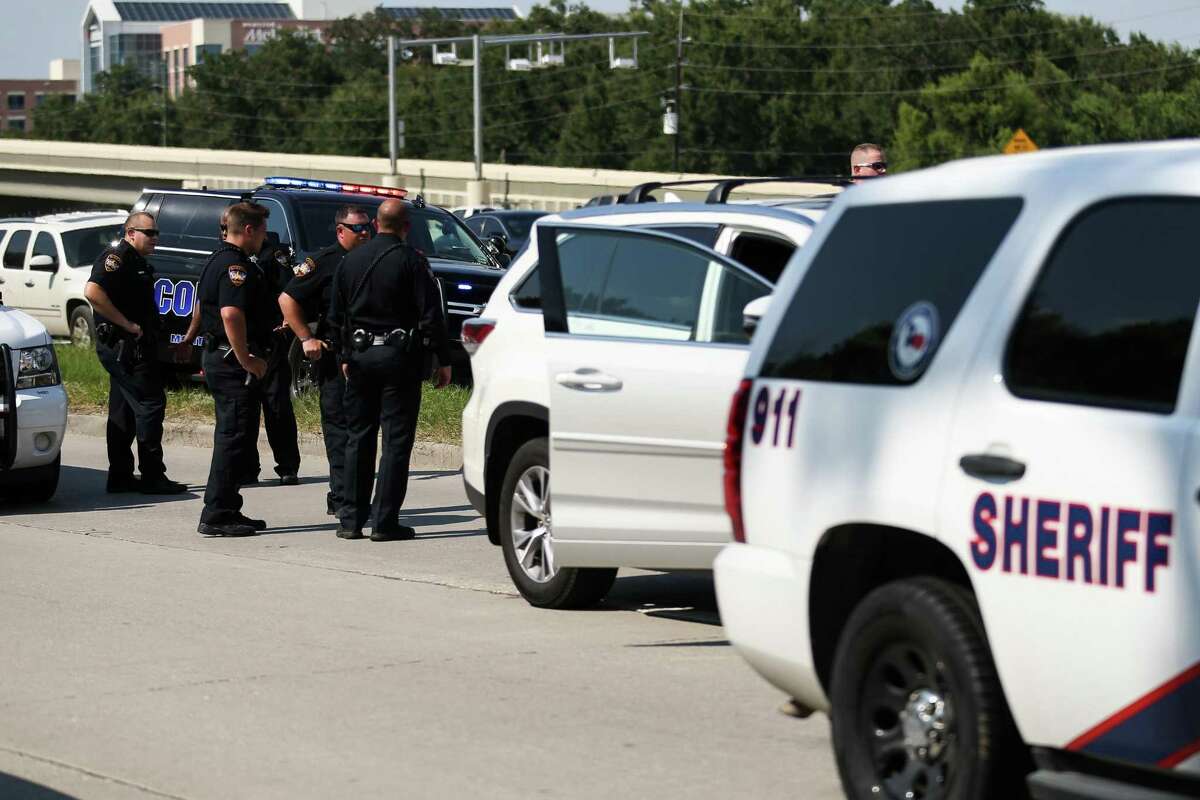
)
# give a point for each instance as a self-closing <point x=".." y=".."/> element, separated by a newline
<point x="887" y="13"/>
<point x="545" y="117"/>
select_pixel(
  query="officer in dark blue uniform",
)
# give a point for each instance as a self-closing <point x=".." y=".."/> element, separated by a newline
<point x="121" y="291"/>
<point x="235" y="313"/>
<point x="274" y="263"/>
<point x="307" y="298"/>
<point x="385" y="303"/>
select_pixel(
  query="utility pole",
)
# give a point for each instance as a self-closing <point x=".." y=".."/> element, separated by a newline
<point x="163" y="124"/>
<point x="678" y="86"/>
<point x="391" y="61"/>
<point x="477" y="104"/>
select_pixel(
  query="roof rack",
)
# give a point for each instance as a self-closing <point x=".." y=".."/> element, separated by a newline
<point x="724" y="186"/>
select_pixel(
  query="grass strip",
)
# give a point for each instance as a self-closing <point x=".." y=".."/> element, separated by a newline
<point x="86" y="383"/>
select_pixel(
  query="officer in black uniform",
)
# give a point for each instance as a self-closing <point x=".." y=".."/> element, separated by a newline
<point x="307" y="297"/>
<point x="385" y="303"/>
<point x="235" y="313"/>
<point x="121" y="291"/>
<point x="274" y="263"/>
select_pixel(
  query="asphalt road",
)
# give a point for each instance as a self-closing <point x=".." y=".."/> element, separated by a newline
<point x="139" y="659"/>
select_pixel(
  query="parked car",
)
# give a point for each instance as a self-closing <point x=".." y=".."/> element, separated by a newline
<point x="508" y="230"/>
<point x="46" y="262"/>
<point x="644" y="341"/>
<point x="33" y="409"/>
<point x="962" y="470"/>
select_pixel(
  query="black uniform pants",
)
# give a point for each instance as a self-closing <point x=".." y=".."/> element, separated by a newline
<point x="137" y="404"/>
<point x="384" y="389"/>
<point x="232" y="443"/>
<point x="279" y="417"/>
<point x="335" y="428"/>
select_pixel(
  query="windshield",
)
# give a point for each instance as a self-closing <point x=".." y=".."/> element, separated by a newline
<point x="82" y="246"/>
<point x="519" y="224"/>
<point x="434" y="232"/>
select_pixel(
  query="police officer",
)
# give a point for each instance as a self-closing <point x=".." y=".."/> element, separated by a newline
<point x="235" y="313"/>
<point x="307" y="297"/>
<point x="385" y="302"/>
<point x="274" y="262"/>
<point x="121" y="291"/>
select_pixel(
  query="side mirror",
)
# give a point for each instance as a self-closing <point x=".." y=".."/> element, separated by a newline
<point x="753" y="313"/>
<point x="499" y="240"/>
<point x="43" y="263"/>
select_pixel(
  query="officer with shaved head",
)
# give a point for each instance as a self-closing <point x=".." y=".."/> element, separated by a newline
<point x="385" y="304"/>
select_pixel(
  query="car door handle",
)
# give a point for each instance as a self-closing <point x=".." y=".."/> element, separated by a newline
<point x="983" y="465"/>
<point x="588" y="380"/>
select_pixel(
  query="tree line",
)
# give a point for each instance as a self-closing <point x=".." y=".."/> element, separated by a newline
<point x="767" y="87"/>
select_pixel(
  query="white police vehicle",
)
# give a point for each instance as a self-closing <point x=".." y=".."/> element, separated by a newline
<point x="33" y="409"/>
<point x="964" y="466"/>
<point x="625" y="393"/>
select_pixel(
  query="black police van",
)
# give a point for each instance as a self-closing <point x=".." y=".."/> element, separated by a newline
<point x="301" y="216"/>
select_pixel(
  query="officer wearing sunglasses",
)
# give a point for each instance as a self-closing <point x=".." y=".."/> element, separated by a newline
<point x="867" y="161"/>
<point x="121" y="291"/>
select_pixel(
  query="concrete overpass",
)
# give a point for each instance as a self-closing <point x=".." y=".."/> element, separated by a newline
<point x="108" y="174"/>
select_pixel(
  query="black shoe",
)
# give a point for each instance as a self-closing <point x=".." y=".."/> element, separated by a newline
<point x="400" y="533"/>
<point x="330" y="507"/>
<point x="224" y="529"/>
<point x="349" y="533"/>
<point x="122" y="485"/>
<point x="248" y="480"/>
<point x="288" y="480"/>
<point x="161" y="485"/>
<point x="257" y="524"/>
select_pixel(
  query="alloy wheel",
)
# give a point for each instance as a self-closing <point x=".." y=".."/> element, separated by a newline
<point x="533" y="542"/>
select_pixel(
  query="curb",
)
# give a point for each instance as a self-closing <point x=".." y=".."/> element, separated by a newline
<point x="425" y="455"/>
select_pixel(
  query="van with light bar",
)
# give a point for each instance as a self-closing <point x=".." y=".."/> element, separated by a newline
<point x="302" y="212"/>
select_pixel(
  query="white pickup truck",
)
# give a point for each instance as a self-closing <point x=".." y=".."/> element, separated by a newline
<point x="33" y="409"/>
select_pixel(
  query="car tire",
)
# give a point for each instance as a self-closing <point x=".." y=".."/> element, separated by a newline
<point x="526" y="537"/>
<point x="918" y="710"/>
<point x="33" y="486"/>
<point x="82" y="326"/>
<point x="302" y="383"/>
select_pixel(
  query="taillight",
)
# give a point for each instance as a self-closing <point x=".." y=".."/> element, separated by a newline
<point x="733" y="458"/>
<point x="474" y="331"/>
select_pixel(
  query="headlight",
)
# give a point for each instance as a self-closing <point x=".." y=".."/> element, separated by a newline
<point x="37" y="366"/>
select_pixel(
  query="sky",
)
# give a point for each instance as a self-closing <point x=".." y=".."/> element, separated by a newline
<point x="35" y="33"/>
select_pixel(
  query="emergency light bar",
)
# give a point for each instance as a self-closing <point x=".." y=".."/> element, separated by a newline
<point x="334" y="186"/>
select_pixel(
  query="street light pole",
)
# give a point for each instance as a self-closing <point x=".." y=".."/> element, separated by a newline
<point x="391" y="62"/>
<point x="477" y="105"/>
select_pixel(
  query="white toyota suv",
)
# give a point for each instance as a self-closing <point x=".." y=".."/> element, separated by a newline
<point x="45" y="262"/>
<point x="33" y="409"/>
<point x="624" y="395"/>
<point x="963" y="469"/>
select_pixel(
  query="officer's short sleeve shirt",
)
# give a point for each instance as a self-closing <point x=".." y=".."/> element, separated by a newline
<point x="128" y="280"/>
<point x="312" y="282"/>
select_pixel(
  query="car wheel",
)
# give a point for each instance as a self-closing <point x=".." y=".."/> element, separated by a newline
<point x="36" y="485"/>
<point x="527" y="538"/>
<point x="82" y="327"/>
<point x="303" y="380"/>
<point x="918" y="711"/>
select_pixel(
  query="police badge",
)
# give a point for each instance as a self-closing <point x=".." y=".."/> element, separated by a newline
<point x="237" y="276"/>
<point x="305" y="268"/>
<point x="112" y="262"/>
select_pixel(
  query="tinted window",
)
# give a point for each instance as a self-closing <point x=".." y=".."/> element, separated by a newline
<point x="475" y="224"/>
<point x="442" y="235"/>
<point x="766" y="255"/>
<point x="84" y="245"/>
<point x="529" y="293"/>
<point x="700" y="234"/>
<point x="877" y="262"/>
<point x="656" y="282"/>
<point x="518" y="225"/>
<point x="277" y="220"/>
<point x="1109" y="319"/>
<point x="43" y="245"/>
<point x="14" y="253"/>
<point x="317" y="228"/>
<point x="191" y="221"/>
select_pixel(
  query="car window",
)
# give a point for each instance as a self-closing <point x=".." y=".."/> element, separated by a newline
<point x="884" y="290"/>
<point x="83" y="245"/>
<point x="276" y="220"/>
<point x="191" y="221"/>
<point x="442" y="235"/>
<point x="1109" y="319"/>
<point x="475" y="224"/>
<point x="317" y="228"/>
<point x="517" y="226"/>
<point x="765" y="255"/>
<point x="700" y="234"/>
<point x="43" y="245"/>
<point x="14" y="253"/>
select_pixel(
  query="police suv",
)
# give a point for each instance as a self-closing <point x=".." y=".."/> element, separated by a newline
<point x="302" y="212"/>
<point x="963" y="472"/>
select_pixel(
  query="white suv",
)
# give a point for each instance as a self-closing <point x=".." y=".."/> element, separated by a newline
<point x="33" y="409"/>
<point x="45" y="263"/>
<point x="964" y="469"/>
<point x="648" y="341"/>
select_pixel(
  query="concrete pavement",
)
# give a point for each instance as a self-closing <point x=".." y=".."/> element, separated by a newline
<point x="142" y="660"/>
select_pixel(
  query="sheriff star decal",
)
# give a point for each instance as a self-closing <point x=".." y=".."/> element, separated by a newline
<point x="237" y="276"/>
<point x="112" y="263"/>
<point x="305" y="268"/>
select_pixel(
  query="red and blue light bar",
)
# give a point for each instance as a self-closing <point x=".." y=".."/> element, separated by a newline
<point x="334" y="186"/>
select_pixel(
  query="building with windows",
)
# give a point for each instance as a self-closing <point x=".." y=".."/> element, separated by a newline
<point x="18" y="98"/>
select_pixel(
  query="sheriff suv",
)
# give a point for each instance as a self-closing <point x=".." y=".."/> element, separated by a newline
<point x="302" y="212"/>
<point x="962" y="470"/>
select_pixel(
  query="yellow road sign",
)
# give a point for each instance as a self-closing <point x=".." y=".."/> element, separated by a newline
<point x="1019" y="143"/>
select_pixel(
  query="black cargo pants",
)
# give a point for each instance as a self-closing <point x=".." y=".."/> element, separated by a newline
<point x="335" y="428"/>
<point x="278" y="416"/>
<point x="384" y="389"/>
<point x="232" y="443"/>
<point x="137" y="404"/>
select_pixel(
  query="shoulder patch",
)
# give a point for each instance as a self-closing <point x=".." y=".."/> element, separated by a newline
<point x="237" y="275"/>
<point x="305" y="268"/>
<point x="112" y="262"/>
